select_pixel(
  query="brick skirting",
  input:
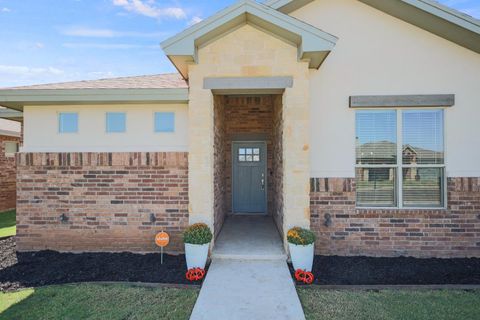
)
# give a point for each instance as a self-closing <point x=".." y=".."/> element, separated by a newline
<point x="454" y="232"/>
<point x="101" y="201"/>
<point x="7" y="176"/>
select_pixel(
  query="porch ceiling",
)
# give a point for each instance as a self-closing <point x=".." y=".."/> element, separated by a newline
<point x="312" y="43"/>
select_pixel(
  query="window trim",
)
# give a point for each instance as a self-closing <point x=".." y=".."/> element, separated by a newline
<point x="116" y="132"/>
<point x="58" y="122"/>
<point x="399" y="166"/>
<point x="174" y="122"/>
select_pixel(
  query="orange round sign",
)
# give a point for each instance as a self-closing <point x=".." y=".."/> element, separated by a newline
<point x="162" y="239"/>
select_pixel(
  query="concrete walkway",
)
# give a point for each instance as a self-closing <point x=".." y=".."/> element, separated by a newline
<point x="243" y="286"/>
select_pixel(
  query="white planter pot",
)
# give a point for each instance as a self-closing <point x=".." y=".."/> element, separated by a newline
<point x="196" y="255"/>
<point x="302" y="256"/>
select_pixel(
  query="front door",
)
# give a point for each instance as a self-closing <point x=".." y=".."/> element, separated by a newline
<point x="249" y="177"/>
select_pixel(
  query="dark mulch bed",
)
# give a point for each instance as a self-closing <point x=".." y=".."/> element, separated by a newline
<point x="333" y="270"/>
<point x="33" y="269"/>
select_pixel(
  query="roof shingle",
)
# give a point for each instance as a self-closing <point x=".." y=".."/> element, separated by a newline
<point x="158" y="81"/>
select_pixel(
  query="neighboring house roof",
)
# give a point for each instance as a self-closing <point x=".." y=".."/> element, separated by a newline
<point x="371" y="152"/>
<point x="157" y="81"/>
<point x="313" y="43"/>
<point x="7" y="127"/>
<point x="429" y="15"/>
<point x="12" y="115"/>
<point x="171" y="88"/>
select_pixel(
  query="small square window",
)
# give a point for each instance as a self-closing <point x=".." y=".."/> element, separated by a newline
<point x="164" y="122"/>
<point x="116" y="122"/>
<point x="68" y="122"/>
<point x="11" y="147"/>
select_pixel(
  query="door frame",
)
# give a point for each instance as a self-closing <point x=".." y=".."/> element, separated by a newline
<point x="233" y="155"/>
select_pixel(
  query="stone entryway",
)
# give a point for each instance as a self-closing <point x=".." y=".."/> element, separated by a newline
<point x="248" y="277"/>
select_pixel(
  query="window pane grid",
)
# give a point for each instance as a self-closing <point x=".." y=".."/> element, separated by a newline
<point x="416" y="179"/>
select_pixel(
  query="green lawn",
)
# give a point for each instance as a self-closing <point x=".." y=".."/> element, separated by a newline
<point x="89" y="301"/>
<point x="7" y="224"/>
<point x="405" y="304"/>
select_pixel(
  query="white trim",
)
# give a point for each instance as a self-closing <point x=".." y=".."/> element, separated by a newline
<point x="399" y="166"/>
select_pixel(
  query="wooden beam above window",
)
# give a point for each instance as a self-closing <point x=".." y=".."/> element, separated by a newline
<point x="403" y="101"/>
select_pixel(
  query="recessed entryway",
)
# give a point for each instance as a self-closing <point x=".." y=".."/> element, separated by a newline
<point x="248" y="157"/>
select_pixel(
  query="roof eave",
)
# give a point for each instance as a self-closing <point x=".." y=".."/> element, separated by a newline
<point x="429" y="15"/>
<point x="16" y="99"/>
<point x="435" y="18"/>
<point x="287" y="6"/>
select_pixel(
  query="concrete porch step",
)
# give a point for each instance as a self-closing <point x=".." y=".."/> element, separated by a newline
<point x="249" y="256"/>
<point x="249" y="238"/>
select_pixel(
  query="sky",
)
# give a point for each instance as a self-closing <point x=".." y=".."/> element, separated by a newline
<point x="45" y="41"/>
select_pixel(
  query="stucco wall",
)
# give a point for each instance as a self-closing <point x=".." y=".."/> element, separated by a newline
<point x="377" y="54"/>
<point x="41" y="129"/>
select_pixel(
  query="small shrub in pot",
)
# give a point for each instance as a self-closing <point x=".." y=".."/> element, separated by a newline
<point x="301" y="244"/>
<point x="197" y="238"/>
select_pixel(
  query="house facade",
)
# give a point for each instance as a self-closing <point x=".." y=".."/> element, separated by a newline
<point x="357" y="119"/>
<point x="10" y="139"/>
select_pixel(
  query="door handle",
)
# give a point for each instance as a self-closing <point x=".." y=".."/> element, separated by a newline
<point x="263" y="181"/>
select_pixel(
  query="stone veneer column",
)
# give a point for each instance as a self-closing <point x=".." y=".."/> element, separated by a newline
<point x="201" y="152"/>
<point x="296" y="154"/>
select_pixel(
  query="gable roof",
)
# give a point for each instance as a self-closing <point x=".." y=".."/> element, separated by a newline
<point x="312" y="43"/>
<point x="160" y="88"/>
<point x="429" y="15"/>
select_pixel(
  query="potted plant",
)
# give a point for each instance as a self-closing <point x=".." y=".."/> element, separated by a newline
<point x="301" y="244"/>
<point x="197" y="239"/>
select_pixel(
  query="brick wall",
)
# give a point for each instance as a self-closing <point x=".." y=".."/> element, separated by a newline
<point x="7" y="176"/>
<point x="454" y="232"/>
<point x="277" y="152"/>
<point x="110" y="201"/>
<point x="219" y="183"/>
<point x="248" y="115"/>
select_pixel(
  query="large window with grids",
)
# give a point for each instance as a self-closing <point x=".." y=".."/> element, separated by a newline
<point x="400" y="158"/>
